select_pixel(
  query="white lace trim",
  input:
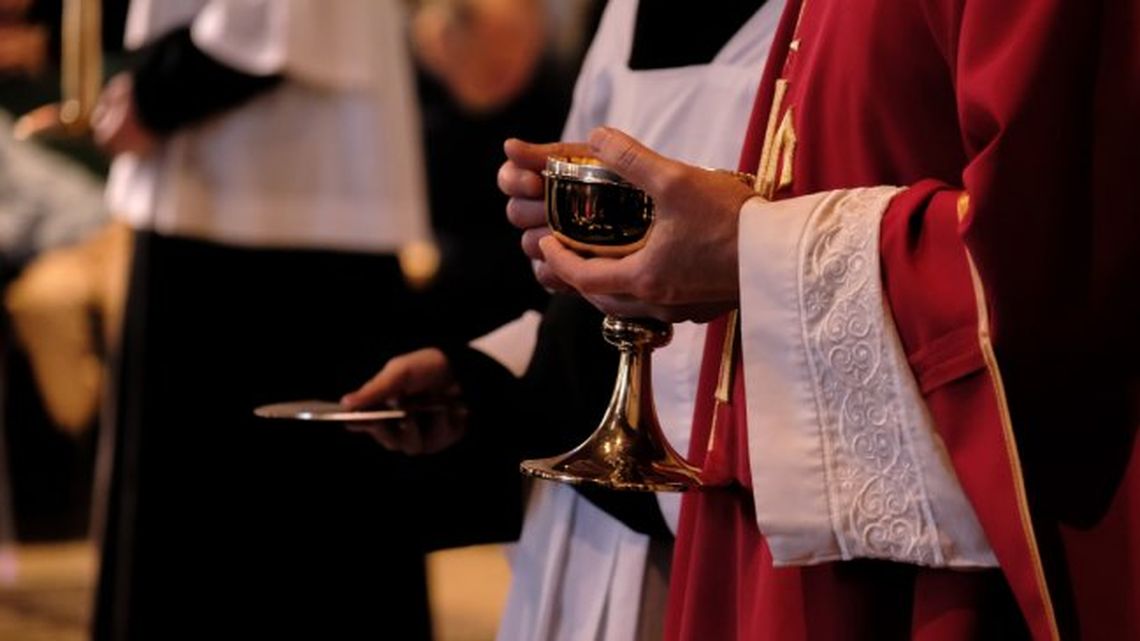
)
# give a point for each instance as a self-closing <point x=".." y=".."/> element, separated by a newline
<point x="877" y="496"/>
<point x="845" y="458"/>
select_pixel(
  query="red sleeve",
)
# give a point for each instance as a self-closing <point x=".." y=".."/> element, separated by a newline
<point x="1024" y="80"/>
<point x="1048" y="99"/>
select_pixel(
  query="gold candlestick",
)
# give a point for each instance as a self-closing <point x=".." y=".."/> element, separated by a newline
<point x="81" y="71"/>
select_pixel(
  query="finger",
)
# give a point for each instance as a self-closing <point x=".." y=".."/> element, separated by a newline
<point x="107" y="128"/>
<point x="533" y="156"/>
<point x="99" y="111"/>
<point x="635" y="162"/>
<point x="526" y="213"/>
<point x="518" y="182"/>
<point x="548" y="279"/>
<point x="390" y="382"/>
<point x="587" y="275"/>
<point x="530" y="240"/>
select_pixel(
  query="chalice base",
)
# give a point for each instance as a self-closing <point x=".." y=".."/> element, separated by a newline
<point x="583" y="467"/>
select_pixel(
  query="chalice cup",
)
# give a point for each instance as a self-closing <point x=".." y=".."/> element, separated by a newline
<point x="593" y="211"/>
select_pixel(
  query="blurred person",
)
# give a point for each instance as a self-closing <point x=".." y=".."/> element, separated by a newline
<point x="49" y="363"/>
<point x="592" y="564"/>
<point x="54" y="245"/>
<point x="483" y="50"/>
<point x="65" y="309"/>
<point x="917" y="416"/>
<point x="521" y="86"/>
<point x="23" y="46"/>
<point x="268" y="158"/>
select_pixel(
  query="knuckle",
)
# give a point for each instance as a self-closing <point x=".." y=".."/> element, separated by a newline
<point x="527" y="215"/>
<point x="546" y="279"/>
<point x="399" y="370"/>
<point x="513" y="213"/>
<point x="503" y="177"/>
<point x="672" y="182"/>
<point x="667" y="292"/>
<point x="647" y="286"/>
<point x="530" y="246"/>
<point x="549" y="280"/>
<point x="627" y="157"/>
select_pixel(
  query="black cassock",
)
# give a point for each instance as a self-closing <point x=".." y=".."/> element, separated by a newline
<point x="220" y="523"/>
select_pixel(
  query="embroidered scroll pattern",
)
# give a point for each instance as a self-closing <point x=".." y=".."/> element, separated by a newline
<point x="878" y="503"/>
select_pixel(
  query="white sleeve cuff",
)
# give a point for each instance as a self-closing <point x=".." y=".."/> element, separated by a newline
<point x="512" y="345"/>
<point x="845" y="459"/>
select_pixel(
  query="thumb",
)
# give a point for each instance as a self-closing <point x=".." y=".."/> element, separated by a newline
<point x="424" y="371"/>
<point x="388" y="383"/>
<point x="635" y="162"/>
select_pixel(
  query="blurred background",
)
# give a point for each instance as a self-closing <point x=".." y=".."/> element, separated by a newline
<point x="484" y="70"/>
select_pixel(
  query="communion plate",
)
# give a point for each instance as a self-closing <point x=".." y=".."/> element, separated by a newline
<point x="312" y="410"/>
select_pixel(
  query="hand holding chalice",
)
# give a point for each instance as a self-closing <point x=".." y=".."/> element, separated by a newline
<point x="593" y="211"/>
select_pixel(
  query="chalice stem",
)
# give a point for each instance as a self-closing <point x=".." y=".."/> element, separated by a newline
<point x="628" y="450"/>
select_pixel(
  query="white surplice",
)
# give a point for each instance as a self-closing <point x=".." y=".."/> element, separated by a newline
<point x="331" y="158"/>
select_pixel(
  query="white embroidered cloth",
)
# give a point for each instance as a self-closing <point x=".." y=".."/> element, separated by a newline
<point x="845" y="459"/>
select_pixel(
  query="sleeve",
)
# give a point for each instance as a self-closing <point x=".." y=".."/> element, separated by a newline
<point x="1024" y="84"/>
<point x="896" y="293"/>
<point x="831" y="399"/>
<point x="512" y="345"/>
<point x="1035" y="227"/>
<point x="177" y="84"/>
<point x="513" y="376"/>
<point x="472" y="491"/>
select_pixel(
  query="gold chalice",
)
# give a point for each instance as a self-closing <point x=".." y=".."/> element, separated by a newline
<point x="594" y="211"/>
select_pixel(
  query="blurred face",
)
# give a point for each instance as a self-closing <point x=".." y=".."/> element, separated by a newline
<point x="484" y="51"/>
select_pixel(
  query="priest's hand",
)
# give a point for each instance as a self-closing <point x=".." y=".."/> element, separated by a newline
<point x="419" y="377"/>
<point x="115" y="121"/>
<point x="687" y="269"/>
<point x="520" y="178"/>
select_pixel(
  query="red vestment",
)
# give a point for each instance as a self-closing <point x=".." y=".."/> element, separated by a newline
<point x="1009" y="265"/>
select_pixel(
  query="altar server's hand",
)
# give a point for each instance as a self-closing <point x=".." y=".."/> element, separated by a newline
<point x="115" y="122"/>
<point x="687" y="269"/>
<point x="422" y="376"/>
<point x="520" y="178"/>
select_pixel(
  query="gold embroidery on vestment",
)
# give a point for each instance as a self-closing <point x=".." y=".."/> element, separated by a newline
<point x="985" y="342"/>
<point x="786" y="149"/>
<point x="963" y="206"/>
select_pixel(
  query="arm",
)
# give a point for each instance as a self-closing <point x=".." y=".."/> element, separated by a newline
<point x="176" y="84"/>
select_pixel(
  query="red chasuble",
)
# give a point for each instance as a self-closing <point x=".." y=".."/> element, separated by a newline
<point x="1010" y="267"/>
